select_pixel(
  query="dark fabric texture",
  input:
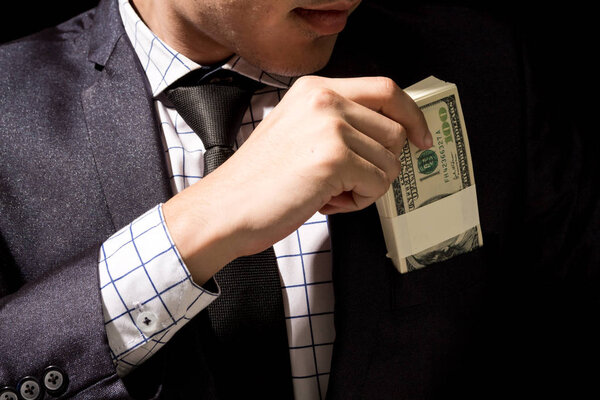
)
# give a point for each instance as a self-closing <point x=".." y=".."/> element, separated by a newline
<point x="213" y="105"/>
<point x="513" y="318"/>
<point x="59" y="135"/>
<point x="247" y="321"/>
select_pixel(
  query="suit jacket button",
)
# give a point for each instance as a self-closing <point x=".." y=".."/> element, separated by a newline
<point x="29" y="388"/>
<point x="8" y="393"/>
<point x="55" y="380"/>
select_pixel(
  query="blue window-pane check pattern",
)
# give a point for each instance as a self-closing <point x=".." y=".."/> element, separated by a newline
<point x="147" y="290"/>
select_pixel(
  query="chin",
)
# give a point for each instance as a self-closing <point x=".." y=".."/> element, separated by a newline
<point x="295" y="69"/>
<point x="297" y="62"/>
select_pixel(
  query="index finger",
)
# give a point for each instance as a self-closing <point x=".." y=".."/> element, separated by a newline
<point x="383" y="95"/>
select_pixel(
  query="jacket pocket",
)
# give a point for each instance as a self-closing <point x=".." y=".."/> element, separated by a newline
<point x="439" y="280"/>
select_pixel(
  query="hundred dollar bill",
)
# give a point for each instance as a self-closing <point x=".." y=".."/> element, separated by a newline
<point x="430" y="213"/>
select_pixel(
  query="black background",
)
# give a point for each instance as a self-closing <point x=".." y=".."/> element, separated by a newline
<point x="25" y="17"/>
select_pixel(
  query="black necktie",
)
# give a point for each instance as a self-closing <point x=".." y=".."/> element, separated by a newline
<point x="250" y="351"/>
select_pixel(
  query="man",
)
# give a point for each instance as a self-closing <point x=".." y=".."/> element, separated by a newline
<point x="80" y="138"/>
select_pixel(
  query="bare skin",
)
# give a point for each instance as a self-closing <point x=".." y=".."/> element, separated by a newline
<point x="275" y="35"/>
<point x="330" y="145"/>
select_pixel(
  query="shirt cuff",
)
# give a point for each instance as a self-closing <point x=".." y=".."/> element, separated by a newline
<point x="147" y="291"/>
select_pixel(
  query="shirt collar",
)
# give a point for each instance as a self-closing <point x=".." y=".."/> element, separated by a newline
<point x="163" y="65"/>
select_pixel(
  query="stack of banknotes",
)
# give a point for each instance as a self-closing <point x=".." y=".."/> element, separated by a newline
<point x="430" y="212"/>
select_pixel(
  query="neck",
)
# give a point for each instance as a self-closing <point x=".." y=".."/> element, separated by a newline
<point x="170" y="24"/>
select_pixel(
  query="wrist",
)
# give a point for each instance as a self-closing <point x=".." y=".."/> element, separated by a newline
<point x="202" y="231"/>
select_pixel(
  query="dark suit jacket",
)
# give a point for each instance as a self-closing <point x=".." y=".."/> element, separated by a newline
<point x="80" y="157"/>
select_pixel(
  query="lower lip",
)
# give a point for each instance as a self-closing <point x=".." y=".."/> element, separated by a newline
<point x="324" y="22"/>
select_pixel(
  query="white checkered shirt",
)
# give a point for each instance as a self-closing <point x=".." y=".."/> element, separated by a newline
<point x="147" y="290"/>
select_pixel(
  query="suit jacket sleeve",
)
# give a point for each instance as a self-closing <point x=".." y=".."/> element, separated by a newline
<point x="55" y="320"/>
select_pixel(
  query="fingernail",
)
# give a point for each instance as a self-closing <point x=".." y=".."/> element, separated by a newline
<point x="428" y="139"/>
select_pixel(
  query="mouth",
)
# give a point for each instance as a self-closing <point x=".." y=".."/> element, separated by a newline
<point x="326" y="19"/>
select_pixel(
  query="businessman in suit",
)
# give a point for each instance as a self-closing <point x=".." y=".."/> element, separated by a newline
<point x="83" y="155"/>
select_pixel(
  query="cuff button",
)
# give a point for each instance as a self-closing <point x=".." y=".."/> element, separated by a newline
<point x="55" y="380"/>
<point x="29" y="388"/>
<point x="147" y="321"/>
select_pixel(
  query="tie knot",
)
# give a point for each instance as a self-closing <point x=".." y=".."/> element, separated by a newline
<point x="213" y="104"/>
<point x="219" y="76"/>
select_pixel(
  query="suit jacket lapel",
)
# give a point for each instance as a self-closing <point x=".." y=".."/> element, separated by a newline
<point x="122" y="126"/>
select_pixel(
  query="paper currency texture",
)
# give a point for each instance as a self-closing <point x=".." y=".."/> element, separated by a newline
<point x="430" y="213"/>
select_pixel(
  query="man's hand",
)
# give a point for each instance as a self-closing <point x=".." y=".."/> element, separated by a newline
<point x="331" y="145"/>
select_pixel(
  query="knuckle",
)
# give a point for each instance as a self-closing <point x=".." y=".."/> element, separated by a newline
<point x="320" y="98"/>
<point x="306" y="82"/>
<point x="387" y="86"/>
<point x="336" y="126"/>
